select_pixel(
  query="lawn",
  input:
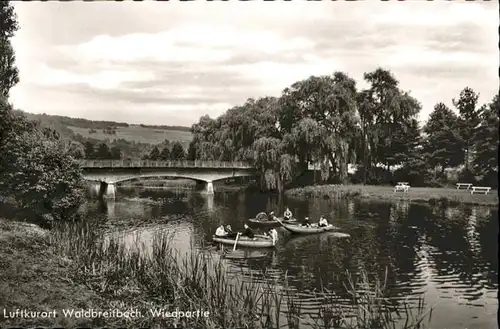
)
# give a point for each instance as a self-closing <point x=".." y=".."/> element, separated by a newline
<point x="139" y="134"/>
<point x="415" y="194"/>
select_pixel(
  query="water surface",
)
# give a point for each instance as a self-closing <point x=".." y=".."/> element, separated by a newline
<point x="447" y="255"/>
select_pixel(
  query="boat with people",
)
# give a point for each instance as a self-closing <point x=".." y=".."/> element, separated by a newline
<point x="308" y="228"/>
<point x="258" y="241"/>
<point x="270" y="219"/>
<point x="313" y="229"/>
<point x="247" y="238"/>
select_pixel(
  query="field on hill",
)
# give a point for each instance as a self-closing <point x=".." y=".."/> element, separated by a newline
<point x="139" y="134"/>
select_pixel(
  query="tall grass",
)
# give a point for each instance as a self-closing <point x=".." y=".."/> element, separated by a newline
<point x="163" y="278"/>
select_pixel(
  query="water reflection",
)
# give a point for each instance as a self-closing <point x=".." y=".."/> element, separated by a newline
<point x="448" y="254"/>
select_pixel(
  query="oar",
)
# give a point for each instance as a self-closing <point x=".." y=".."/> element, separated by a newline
<point x="279" y="221"/>
<point x="236" y="241"/>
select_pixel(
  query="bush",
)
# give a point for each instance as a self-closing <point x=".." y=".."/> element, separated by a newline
<point x="374" y="176"/>
<point x="45" y="181"/>
<point x="467" y="176"/>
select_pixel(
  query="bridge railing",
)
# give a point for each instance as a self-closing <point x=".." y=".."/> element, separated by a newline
<point x="162" y="164"/>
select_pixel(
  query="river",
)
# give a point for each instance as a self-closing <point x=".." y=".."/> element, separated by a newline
<point x="448" y="255"/>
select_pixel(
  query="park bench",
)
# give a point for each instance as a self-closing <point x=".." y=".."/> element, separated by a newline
<point x="402" y="186"/>
<point x="467" y="185"/>
<point x="480" y="189"/>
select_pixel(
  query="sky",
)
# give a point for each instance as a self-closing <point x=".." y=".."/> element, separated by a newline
<point x="168" y="63"/>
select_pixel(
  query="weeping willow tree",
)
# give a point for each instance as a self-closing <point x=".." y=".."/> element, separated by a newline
<point x="276" y="168"/>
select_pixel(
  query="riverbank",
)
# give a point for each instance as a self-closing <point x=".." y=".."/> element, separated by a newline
<point x="73" y="268"/>
<point x="34" y="278"/>
<point x="440" y="196"/>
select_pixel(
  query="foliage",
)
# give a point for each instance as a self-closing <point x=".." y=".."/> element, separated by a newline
<point x="485" y="142"/>
<point x="444" y="143"/>
<point x="9" y="75"/>
<point x="154" y="154"/>
<point x="177" y="152"/>
<point x="102" y="152"/>
<point x="37" y="168"/>
<point x="470" y="117"/>
<point x="75" y="149"/>
<point x="45" y="182"/>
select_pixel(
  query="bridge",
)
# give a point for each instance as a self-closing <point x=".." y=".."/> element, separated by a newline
<point x="107" y="173"/>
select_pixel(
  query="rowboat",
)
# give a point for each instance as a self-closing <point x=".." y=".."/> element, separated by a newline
<point x="299" y="229"/>
<point x="260" y="241"/>
<point x="272" y="222"/>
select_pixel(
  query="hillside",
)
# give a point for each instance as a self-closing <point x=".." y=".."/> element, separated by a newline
<point x="101" y="130"/>
<point x="137" y="134"/>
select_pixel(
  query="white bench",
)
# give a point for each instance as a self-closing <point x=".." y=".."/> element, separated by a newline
<point x="480" y="189"/>
<point x="467" y="185"/>
<point x="402" y="186"/>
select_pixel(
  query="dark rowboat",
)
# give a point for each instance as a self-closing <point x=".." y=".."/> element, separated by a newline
<point x="260" y="241"/>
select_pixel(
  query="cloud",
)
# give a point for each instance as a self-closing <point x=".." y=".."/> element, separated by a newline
<point x="151" y="62"/>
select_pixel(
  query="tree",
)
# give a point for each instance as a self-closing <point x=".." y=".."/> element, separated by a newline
<point x="116" y="153"/>
<point x="164" y="154"/>
<point x="103" y="152"/>
<point x="9" y="75"/>
<point x="76" y="150"/>
<point x="89" y="150"/>
<point x="177" y="152"/>
<point x="35" y="168"/>
<point x="386" y="116"/>
<point x="444" y="143"/>
<point x="276" y="167"/>
<point x="154" y="154"/>
<point x="192" y="150"/>
<point x="330" y="101"/>
<point x="485" y="142"/>
<point x="45" y="182"/>
<point x="470" y="117"/>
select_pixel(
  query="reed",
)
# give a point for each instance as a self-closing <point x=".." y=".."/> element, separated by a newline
<point x="161" y="277"/>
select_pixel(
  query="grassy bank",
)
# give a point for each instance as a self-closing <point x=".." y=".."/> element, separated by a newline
<point x="73" y="267"/>
<point x="34" y="277"/>
<point x="444" y="196"/>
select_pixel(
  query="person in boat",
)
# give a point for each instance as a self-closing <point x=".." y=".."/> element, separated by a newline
<point x="248" y="232"/>
<point x="288" y="214"/>
<point x="229" y="232"/>
<point x="221" y="232"/>
<point x="322" y="222"/>
<point x="271" y="216"/>
<point x="306" y="223"/>
<point x="273" y="234"/>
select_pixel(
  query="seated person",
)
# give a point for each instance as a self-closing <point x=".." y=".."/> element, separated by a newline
<point x="230" y="232"/>
<point x="271" y="216"/>
<point x="220" y="232"/>
<point x="288" y="214"/>
<point x="322" y="222"/>
<point x="306" y="222"/>
<point x="248" y="232"/>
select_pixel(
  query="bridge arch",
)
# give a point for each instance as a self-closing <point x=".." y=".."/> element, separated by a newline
<point x="110" y="172"/>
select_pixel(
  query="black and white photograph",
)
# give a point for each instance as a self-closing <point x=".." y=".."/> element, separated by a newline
<point x="249" y="164"/>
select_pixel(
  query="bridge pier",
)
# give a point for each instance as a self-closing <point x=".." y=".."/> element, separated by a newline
<point x="210" y="187"/>
<point x="107" y="191"/>
<point x="93" y="189"/>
